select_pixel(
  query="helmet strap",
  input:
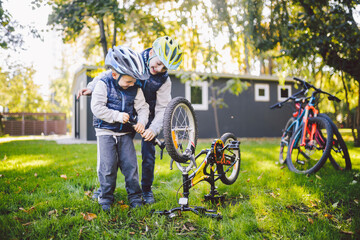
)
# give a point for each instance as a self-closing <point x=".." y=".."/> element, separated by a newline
<point x="148" y="62"/>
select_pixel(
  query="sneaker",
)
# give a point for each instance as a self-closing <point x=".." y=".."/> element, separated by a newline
<point x="96" y="194"/>
<point x="135" y="204"/>
<point x="148" y="197"/>
<point x="106" y="207"/>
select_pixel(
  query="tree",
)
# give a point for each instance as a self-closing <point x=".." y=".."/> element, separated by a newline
<point x="77" y="17"/>
<point x="305" y="29"/>
<point x="18" y="92"/>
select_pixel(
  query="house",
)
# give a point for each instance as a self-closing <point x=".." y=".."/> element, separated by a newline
<point x="246" y="115"/>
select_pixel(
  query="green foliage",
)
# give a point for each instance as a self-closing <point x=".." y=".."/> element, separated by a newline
<point x="305" y="29"/>
<point x="18" y="92"/>
<point x="45" y="191"/>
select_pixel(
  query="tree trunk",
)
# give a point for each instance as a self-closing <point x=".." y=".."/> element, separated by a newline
<point x="103" y="37"/>
<point x="114" y="36"/>
<point x="1" y="126"/>
<point x="214" y="105"/>
<point x="356" y="124"/>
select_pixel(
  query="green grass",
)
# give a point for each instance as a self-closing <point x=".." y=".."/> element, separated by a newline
<point x="266" y="202"/>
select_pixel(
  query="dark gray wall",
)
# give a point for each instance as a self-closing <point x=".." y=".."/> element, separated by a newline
<point x="244" y="116"/>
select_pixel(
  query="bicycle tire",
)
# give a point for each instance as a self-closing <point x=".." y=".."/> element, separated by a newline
<point x="284" y="142"/>
<point x="229" y="175"/>
<point x="180" y="129"/>
<point x="309" y="158"/>
<point x="339" y="154"/>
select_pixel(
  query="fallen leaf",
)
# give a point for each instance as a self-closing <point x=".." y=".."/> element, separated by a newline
<point x="356" y="201"/>
<point x="88" y="193"/>
<point x="52" y="212"/>
<point x="347" y="232"/>
<point x="283" y="166"/>
<point x="89" y="216"/>
<point x="63" y="176"/>
<point x="77" y="174"/>
<point x="121" y="202"/>
<point x="317" y="176"/>
<point x="18" y="191"/>
<point x="248" y="180"/>
<point x="132" y="233"/>
<point x="259" y="177"/>
<point x="313" y="204"/>
<point x="310" y="221"/>
<point x="124" y="207"/>
<point x="329" y="216"/>
<point x="27" y="224"/>
<point x="273" y="195"/>
<point x="335" y="205"/>
<point x="27" y="211"/>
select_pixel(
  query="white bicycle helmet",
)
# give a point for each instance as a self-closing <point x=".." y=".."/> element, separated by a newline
<point x="126" y="61"/>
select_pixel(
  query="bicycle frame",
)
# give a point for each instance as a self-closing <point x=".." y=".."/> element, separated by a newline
<point x="213" y="158"/>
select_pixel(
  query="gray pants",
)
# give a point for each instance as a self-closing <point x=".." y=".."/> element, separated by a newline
<point x="115" y="152"/>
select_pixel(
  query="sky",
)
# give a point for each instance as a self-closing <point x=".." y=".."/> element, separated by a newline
<point x="45" y="56"/>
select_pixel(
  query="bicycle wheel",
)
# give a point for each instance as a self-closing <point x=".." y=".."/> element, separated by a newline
<point x="180" y="129"/>
<point x="229" y="172"/>
<point x="285" y="138"/>
<point x="339" y="154"/>
<point x="308" y="152"/>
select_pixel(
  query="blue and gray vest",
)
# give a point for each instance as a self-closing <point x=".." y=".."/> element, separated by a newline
<point x="151" y="86"/>
<point x="119" y="99"/>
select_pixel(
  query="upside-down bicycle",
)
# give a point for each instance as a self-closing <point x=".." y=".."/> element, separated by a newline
<point x="221" y="162"/>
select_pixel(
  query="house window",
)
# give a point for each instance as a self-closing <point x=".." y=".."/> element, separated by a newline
<point x="262" y="93"/>
<point x="197" y="94"/>
<point x="284" y="92"/>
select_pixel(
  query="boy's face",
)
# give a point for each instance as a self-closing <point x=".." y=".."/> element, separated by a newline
<point x="156" y="66"/>
<point x="125" y="81"/>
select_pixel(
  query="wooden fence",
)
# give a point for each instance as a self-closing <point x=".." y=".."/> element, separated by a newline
<point x="19" y="124"/>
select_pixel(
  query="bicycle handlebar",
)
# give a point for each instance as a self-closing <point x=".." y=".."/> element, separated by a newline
<point x="306" y="87"/>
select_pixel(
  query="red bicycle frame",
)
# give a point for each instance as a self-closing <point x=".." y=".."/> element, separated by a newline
<point x="306" y="120"/>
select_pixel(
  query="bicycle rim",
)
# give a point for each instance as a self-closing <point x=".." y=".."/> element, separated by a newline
<point x="229" y="173"/>
<point x="339" y="154"/>
<point x="308" y="152"/>
<point x="180" y="129"/>
<point x="284" y="142"/>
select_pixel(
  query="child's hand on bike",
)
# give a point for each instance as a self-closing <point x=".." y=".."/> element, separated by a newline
<point x="139" y="128"/>
<point x="84" y="91"/>
<point x="125" y="117"/>
<point x="148" y="135"/>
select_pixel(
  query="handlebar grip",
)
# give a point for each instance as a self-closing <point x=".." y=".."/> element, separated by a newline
<point x="277" y="105"/>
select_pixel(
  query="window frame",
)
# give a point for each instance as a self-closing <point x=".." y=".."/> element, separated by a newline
<point x="287" y="86"/>
<point x="266" y="88"/>
<point x="204" y="106"/>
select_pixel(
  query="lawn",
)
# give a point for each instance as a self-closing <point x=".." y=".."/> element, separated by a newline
<point x="45" y="191"/>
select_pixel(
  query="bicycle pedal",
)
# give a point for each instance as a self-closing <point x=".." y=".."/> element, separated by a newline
<point x="234" y="145"/>
<point x="300" y="162"/>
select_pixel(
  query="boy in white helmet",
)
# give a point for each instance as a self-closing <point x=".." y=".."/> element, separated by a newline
<point x="115" y="99"/>
<point x="165" y="54"/>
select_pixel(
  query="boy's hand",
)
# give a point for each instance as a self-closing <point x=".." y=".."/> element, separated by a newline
<point x="84" y="91"/>
<point x="139" y="128"/>
<point x="125" y="117"/>
<point x="148" y="135"/>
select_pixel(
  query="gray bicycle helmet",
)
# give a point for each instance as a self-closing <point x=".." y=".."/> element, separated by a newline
<point x="126" y="61"/>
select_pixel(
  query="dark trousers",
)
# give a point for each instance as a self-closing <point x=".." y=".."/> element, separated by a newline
<point x="117" y="152"/>
<point x="148" y="164"/>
